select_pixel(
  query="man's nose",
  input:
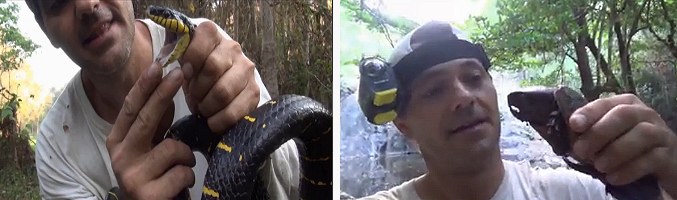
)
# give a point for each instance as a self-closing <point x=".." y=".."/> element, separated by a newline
<point x="460" y="96"/>
<point x="85" y="7"/>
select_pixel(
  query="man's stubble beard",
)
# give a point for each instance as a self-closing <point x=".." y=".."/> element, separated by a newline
<point x="466" y="162"/>
<point x="118" y="64"/>
<point x="121" y="61"/>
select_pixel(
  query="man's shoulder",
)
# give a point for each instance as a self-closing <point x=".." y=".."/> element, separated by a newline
<point x="65" y="117"/>
<point x="61" y="109"/>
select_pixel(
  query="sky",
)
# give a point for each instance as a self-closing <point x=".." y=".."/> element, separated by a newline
<point x="51" y="67"/>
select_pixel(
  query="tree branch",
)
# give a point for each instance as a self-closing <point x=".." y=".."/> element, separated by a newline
<point x="658" y="37"/>
<point x="565" y="30"/>
<point x="635" y="22"/>
<point x="673" y="27"/>
<point x="572" y="57"/>
<point x="603" y="65"/>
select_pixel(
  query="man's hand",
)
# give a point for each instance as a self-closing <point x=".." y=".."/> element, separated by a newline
<point x="144" y="171"/>
<point x="626" y="140"/>
<point x="221" y="84"/>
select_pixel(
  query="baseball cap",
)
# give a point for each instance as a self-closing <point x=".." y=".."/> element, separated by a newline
<point x="430" y="44"/>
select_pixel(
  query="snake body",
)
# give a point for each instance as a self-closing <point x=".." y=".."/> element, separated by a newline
<point x="236" y="156"/>
<point x="548" y="111"/>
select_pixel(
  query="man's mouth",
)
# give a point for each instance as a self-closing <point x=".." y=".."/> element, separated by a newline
<point x="97" y="31"/>
<point x="468" y="126"/>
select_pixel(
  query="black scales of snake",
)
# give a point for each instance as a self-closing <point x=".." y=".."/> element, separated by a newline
<point x="236" y="156"/>
<point x="547" y="110"/>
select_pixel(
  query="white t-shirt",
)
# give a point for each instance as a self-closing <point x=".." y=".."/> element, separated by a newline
<point x="521" y="182"/>
<point x="73" y="163"/>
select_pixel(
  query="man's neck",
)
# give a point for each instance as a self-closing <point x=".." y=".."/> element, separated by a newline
<point x="106" y="93"/>
<point x="450" y="185"/>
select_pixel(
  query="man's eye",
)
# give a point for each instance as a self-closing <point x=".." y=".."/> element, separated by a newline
<point x="57" y="5"/>
<point x="433" y="92"/>
<point x="475" y="79"/>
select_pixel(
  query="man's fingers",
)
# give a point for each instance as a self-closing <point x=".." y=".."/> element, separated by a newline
<point x="202" y="54"/>
<point x="238" y="108"/>
<point x="166" y="155"/>
<point x="587" y="115"/>
<point x="203" y="42"/>
<point x="638" y="141"/>
<point x="134" y="101"/>
<point x="635" y="169"/>
<point x="216" y="64"/>
<point x="616" y="122"/>
<point x="176" y="179"/>
<point x="143" y="129"/>
<point x="226" y="89"/>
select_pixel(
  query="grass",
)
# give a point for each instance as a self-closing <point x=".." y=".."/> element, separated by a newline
<point x="18" y="184"/>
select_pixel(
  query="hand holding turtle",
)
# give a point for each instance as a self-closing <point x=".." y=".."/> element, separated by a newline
<point x="626" y="140"/>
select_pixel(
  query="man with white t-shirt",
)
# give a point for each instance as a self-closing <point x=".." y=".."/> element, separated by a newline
<point x="99" y="132"/>
<point x="447" y="104"/>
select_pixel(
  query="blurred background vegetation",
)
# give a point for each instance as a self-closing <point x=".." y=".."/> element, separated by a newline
<point x="289" y="40"/>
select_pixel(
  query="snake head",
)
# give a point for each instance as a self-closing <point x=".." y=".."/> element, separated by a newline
<point x="160" y="11"/>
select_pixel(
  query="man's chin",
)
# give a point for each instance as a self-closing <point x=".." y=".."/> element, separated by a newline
<point x="108" y="64"/>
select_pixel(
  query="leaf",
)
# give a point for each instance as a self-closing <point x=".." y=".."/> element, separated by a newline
<point x="5" y="113"/>
<point x="25" y="132"/>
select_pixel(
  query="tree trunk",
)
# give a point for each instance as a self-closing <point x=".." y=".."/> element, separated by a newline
<point x="587" y="84"/>
<point x="268" y="58"/>
<point x="626" y="69"/>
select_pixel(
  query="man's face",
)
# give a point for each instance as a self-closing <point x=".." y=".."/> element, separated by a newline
<point x="96" y="35"/>
<point x="452" y="113"/>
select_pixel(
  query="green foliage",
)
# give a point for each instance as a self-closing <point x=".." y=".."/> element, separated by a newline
<point x="358" y="41"/>
<point x="527" y="34"/>
<point x="575" y="43"/>
<point x="551" y="78"/>
<point x="10" y="106"/>
<point x="375" y="20"/>
<point x="15" y="47"/>
<point x="18" y="179"/>
<point x="18" y="183"/>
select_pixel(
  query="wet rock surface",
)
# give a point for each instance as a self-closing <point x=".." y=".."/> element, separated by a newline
<point x="375" y="158"/>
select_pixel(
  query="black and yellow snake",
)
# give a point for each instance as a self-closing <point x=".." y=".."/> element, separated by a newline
<point x="235" y="156"/>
